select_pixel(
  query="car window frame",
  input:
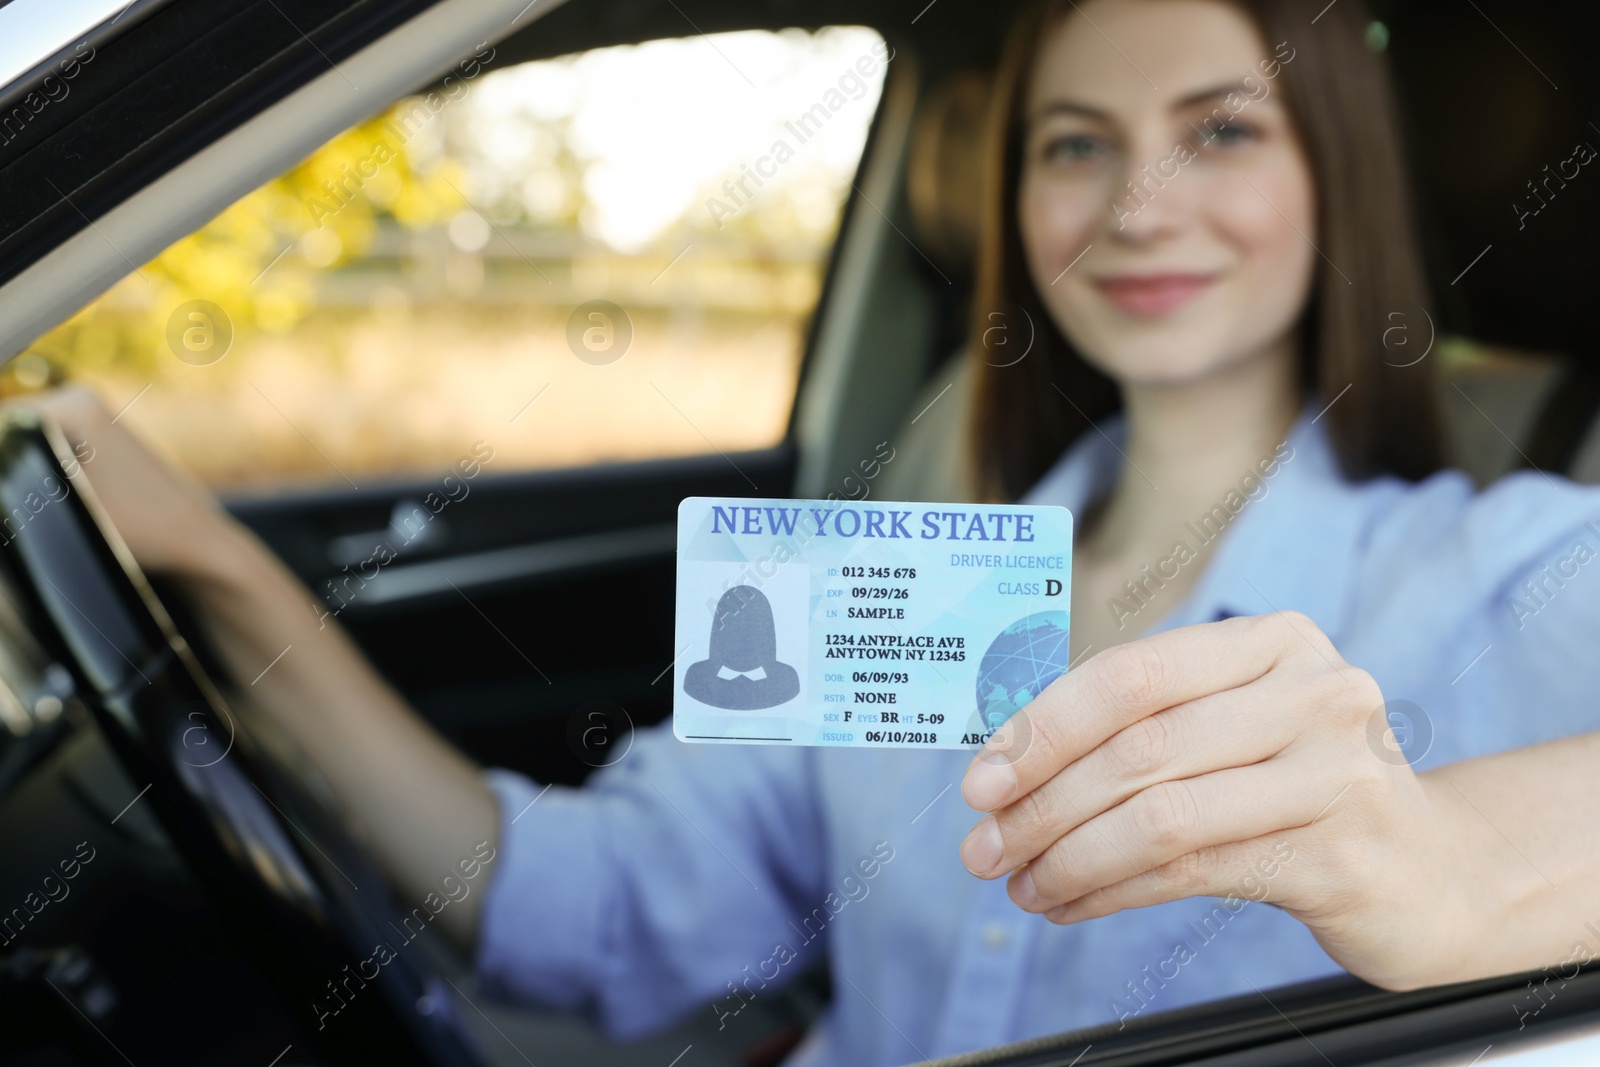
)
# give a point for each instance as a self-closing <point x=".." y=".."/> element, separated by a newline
<point x="1344" y="1020"/>
<point x="75" y="215"/>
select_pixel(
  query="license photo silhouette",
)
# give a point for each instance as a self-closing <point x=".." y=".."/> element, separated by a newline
<point x="742" y="671"/>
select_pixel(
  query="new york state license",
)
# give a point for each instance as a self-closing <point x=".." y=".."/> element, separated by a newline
<point x="830" y="622"/>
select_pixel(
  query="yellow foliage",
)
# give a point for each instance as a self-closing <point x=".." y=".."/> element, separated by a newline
<point x="260" y="259"/>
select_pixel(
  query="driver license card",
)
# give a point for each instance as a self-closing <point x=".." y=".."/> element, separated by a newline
<point x="866" y="624"/>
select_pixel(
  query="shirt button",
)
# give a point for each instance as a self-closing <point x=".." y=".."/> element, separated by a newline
<point x="995" y="936"/>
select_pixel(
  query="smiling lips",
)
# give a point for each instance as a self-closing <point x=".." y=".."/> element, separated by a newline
<point x="1152" y="294"/>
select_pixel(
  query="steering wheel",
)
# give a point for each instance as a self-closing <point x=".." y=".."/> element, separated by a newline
<point x="305" y="905"/>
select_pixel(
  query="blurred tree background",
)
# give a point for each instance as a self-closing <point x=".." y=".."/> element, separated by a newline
<point x="407" y="289"/>
<point x="226" y="261"/>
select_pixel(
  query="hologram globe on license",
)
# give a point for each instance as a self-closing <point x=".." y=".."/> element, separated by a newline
<point x="1023" y="658"/>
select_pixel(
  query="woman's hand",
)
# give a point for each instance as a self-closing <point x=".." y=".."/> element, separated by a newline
<point x="171" y="523"/>
<point x="1242" y="758"/>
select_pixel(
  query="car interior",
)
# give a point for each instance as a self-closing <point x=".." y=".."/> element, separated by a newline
<point x="172" y="949"/>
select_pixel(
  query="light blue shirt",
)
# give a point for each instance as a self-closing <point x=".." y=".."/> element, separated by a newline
<point x="694" y="873"/>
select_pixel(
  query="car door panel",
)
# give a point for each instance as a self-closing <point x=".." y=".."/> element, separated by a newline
<point x="546" y="593"/>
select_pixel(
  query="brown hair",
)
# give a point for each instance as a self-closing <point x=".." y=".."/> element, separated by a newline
<point x="1339" y="96"/>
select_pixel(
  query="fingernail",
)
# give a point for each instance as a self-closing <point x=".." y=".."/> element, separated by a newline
<point x="988" y="785"/>
<point x="1023" y="894"/>
<point x="983" y="848"/>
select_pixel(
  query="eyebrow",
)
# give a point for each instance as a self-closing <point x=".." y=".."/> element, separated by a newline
<point x="1073" y="107"/>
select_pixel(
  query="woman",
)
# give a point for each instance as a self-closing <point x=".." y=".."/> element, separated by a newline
<point x="1209" y="314"/>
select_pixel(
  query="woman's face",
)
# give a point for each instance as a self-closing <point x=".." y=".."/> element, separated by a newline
<point x="1206" y="259"/>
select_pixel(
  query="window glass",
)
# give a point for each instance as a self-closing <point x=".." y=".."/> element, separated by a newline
<point x="605" y="256"/>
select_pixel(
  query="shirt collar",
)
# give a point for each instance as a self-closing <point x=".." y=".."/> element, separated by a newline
<point x="1296" y="547"/>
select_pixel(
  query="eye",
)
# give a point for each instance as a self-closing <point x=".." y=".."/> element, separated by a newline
<point x="1226" y="134"/>
<point x="1072" y="148"/>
